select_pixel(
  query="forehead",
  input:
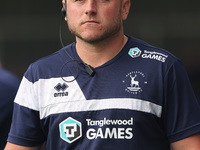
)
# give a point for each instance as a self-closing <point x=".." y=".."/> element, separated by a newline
<point x="98" y="1"/>
<point x="94" y="0"/>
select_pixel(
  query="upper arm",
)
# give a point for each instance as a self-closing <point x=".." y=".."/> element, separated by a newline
<point x="189" y="143"/>
<point x="10" y="146"/>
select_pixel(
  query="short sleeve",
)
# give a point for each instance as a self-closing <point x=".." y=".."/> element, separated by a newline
<point x="26" y="128"/>
<point x="181" y="108"/>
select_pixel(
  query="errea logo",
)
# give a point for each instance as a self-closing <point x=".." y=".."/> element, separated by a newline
<point x="61" y="88"/>
<point x="70" y="130"/>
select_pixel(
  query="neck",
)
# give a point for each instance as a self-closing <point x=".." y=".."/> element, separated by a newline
<point x="99" y="53"/>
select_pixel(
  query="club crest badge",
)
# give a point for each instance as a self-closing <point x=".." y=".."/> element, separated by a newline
<point x="134" y="82"/>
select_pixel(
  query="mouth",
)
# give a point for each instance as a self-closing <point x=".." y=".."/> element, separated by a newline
<point x="90" y="22"/>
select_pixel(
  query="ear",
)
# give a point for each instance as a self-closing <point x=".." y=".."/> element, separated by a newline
<point x="64" y="7"/>
<point x="63" y="3"/>
<point x="125" y="8"/>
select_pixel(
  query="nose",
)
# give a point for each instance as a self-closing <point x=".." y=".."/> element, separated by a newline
<point x="91" y="7"/>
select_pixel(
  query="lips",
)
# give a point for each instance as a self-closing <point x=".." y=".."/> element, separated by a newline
<point x="90" y="22"/>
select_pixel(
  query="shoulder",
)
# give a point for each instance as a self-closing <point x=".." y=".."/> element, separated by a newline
<point x="149" y="52"/>
<point x="9" y="84"/>
<point x="151" y="57"/>
<point x="153" y="61"/>
<point x="8" y="78"/>
<point x="49" y="66"/>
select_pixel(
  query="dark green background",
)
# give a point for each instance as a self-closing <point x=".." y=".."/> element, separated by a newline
<point x="29" y="30"/>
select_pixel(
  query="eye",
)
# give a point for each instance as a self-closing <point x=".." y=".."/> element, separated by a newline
<point x="104" y="0"/>
<point x="78" y="1"/>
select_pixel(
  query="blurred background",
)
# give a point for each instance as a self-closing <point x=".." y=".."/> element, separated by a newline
<point x="29" y="30"/>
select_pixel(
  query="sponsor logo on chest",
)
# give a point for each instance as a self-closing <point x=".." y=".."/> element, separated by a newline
<point x="136" y="52"/>
<point x="71" y="129"/>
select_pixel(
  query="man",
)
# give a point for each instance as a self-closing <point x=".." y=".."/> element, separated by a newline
<point x="130" y="96"/>
<point x="8" y="88"/>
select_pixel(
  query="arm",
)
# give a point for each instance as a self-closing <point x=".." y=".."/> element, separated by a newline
<point x="190" y="143"/>
<point x="10" y="146"/>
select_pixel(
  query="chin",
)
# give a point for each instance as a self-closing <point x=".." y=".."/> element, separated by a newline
<point x="91" y="38"/>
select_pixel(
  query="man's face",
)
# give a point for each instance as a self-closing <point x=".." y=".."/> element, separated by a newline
<point x="94" y="20"/>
